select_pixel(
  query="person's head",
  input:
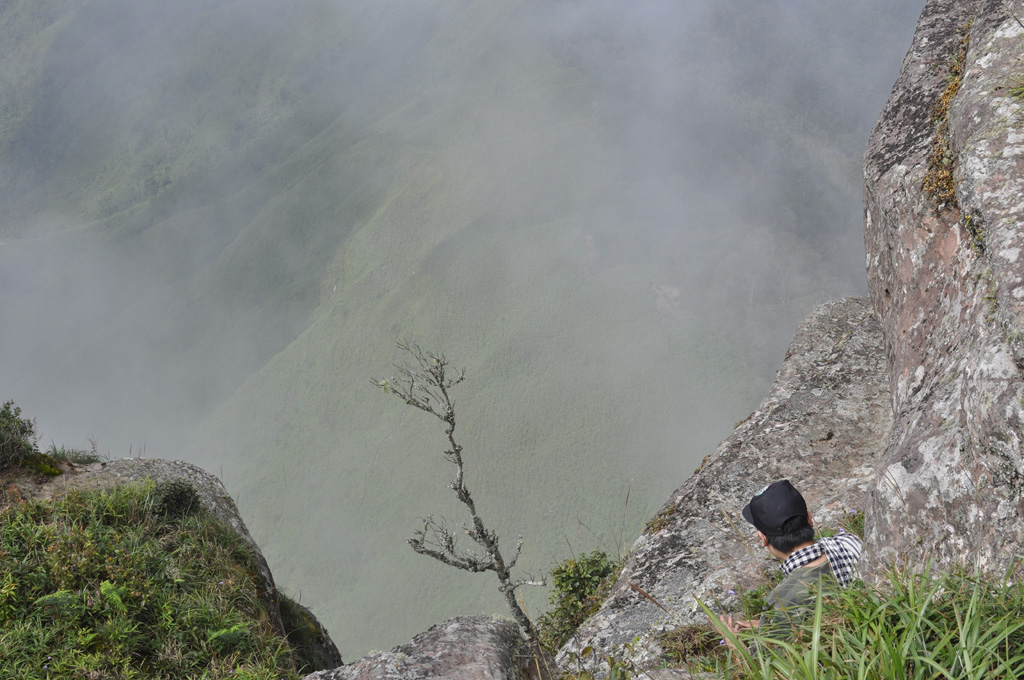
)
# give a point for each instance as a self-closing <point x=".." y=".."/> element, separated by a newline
<point x="780" y="515"/>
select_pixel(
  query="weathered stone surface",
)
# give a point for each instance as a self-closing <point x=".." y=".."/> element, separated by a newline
<point x="214" y="498"/>
<point x="948" y="287"/>
<point x="464" y="648"/>
<point x="823" y="426"/>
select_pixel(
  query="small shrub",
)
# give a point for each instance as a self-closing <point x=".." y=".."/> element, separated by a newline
<point x="938" y="181"/>
<point x="577" y="594"/>
<point x="17" y="436"/>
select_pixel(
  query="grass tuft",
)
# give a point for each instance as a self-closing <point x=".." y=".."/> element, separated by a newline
<point x="74" y="456"/>
<point x="958" y="624"/>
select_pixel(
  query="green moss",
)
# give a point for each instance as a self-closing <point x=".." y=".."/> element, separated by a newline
<point x="662" y="519"/>
<point x="40" y="463"/>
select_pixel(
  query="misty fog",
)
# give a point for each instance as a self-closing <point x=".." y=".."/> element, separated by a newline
<point x="217" y="217"/>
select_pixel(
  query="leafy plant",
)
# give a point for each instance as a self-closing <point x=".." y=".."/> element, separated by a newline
<point x="576" y="595"/>
<point x="755" y="601"/>
<point x="851" y="522"/>
<point x="17" y="435"/>
<point x="938" y="181"/>
<point x="660" y="520"/>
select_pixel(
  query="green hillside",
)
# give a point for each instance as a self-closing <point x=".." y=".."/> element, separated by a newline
<point x="217" y="217"/>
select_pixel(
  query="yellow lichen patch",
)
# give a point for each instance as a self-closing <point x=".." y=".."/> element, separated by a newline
<point x="938" y="181"/>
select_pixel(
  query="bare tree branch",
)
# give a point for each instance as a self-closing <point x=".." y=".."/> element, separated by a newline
<point x="425" y="383"/>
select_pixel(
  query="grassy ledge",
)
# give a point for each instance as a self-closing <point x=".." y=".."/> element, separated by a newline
<point x="132" y="582"/>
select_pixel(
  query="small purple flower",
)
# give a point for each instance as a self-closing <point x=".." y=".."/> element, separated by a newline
<point x="721" y="642"/>
<point x="732" y="592"/>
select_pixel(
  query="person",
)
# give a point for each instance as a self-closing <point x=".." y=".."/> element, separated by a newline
<point x="786" y="529"/>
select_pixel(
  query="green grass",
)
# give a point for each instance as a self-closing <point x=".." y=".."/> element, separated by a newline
<point x="114" y="585"/>
<point x="74" y="456"/>
<point x="957" y="624"/>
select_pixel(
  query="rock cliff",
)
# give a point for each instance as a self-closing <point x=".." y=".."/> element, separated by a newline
<point x="947" y="284"/>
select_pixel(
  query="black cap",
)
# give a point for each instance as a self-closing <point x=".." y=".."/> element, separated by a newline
<point x="773" y="506"/>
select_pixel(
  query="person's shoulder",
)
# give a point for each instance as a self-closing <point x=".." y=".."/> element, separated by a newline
<point x="850" y="539"/>
<point x="851" y="543"/>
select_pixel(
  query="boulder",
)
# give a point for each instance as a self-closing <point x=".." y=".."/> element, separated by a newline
<point x="823" y="426"/>
<point x="463" y="648"/>
<point x="946" y="278"/>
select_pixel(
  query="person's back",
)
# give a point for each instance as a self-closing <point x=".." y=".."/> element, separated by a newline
<point x="793" y="599"/>
<point x="786" y="529"/>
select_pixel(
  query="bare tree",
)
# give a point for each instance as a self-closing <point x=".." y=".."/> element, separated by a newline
<point x="425" y="383"/>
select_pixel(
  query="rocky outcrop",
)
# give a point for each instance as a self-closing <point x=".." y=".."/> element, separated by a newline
<point x="947" y="282"/>
<point x="289" y="618"/>
<point x="823" y="426"/>
<point x="464" y="648"/>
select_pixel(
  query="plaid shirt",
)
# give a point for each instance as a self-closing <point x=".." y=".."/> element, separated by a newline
<point x="843" y="551"/>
